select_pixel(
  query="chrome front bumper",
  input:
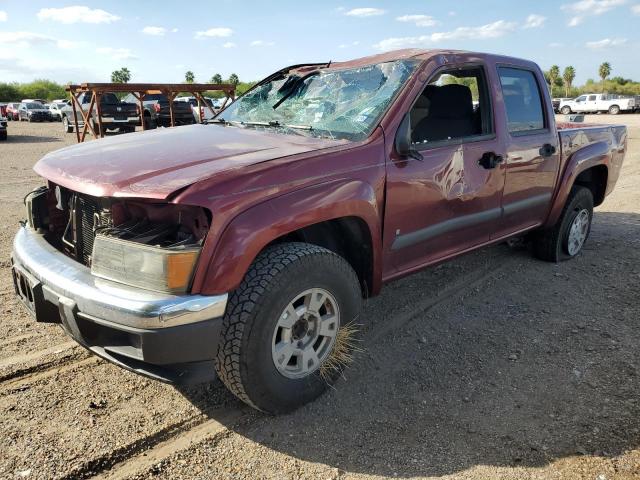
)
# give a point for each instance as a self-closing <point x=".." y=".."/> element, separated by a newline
<point x="106" y="300"/>
<point x="172" y="338"/>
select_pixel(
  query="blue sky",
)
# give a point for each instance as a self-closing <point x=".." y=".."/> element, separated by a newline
<point x="158" y="41"/>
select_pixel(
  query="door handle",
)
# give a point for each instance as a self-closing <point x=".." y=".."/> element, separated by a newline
<point x="490" y="160"/>
<point x="547" y="150"/>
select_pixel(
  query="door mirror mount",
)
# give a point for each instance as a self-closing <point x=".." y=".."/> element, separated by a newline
<point x="404" y="147"/>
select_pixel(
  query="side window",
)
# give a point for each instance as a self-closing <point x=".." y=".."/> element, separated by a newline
<point x="592" y="98"/>
<point x="522" y="100"/>
<point x="454" y="105"/>
<point x="581" y="99"/>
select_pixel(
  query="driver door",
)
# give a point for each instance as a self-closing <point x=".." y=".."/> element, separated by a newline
<point x="447" y="200"/>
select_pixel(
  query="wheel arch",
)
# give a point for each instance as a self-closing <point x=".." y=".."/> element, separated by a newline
<point x="342" y="216"/>
<point x="589" y="167"/>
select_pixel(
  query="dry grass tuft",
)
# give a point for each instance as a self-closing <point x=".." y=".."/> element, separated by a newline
<point x="347" y="344"/>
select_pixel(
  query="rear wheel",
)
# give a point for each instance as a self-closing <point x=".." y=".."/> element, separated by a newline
<point x="614" y="110"/>
<point x="288" y="330"/>
<point x="567" y="237"/>
<point x="566" y="110"/>
<point x="3" y="135"/>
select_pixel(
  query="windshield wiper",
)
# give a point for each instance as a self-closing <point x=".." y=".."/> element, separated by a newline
<point x="294" y="87"/>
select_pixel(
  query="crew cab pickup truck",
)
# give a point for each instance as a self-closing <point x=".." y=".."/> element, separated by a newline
<point x="597" y="102"/>
<point x="157" y="112"/>
<point x="245" y="246"/>
<point x="114" y="114"/>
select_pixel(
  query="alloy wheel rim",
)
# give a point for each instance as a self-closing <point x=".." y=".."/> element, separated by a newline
<point x="305" y="333"/>
<point x="578" y="232"/>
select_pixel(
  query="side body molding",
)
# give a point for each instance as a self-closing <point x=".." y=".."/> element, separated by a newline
<point x="598" y="153"/>
<point x="252" y="230"/>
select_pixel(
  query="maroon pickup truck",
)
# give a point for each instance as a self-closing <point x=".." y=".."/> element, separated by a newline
<point x="244" y="247"/>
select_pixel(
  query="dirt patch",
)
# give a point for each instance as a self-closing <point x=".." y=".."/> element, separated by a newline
<point x="494" y="365"/>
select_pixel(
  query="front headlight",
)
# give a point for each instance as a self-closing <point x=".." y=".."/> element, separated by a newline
<point x="145" y="266"/>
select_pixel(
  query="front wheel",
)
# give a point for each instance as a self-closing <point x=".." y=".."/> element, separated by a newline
<point x="567" y="237"/>
<point x="66" y="126"/>
<point x="565" y="110"/>
<point x="289" y="328"/>
<point x="614" y="110"/>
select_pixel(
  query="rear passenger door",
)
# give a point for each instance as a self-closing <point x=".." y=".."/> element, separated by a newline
<point x="532" y="149"/>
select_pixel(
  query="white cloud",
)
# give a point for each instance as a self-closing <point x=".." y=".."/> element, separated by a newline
<point x="606" y="43"/>
<point x="117" y="53"/>
<point x="155" y="31"/>
<point x="66" y="44"/>
<point x="218" y="32"/>
<point x="25" y="39"/>
<point x="586" y="8"/>
<point x="352" y="44"/>
<point x="3" y="16"/>
<point x="365" y="12"/>
<point x="174" y="30"/>
<point x="419" y="20"/>
<point x="229" y="45"/>
<point x="491" y="30"/>
<point x="534" y="21"/>
<point x="556" y="45"/>
<point x="77" y="14"/>
<point x="261" y="43"/>
<point x="636" y="9"/>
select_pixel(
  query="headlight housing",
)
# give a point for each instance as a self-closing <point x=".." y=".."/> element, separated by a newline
<point x="161" y="269"/>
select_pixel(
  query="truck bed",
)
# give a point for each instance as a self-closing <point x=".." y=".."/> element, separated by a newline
<point x="607" y="139"/>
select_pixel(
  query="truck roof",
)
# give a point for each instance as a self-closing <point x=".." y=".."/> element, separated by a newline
<point x="423" y="54"/>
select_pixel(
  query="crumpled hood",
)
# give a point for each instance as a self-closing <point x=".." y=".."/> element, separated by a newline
<point x="155" y="163"/>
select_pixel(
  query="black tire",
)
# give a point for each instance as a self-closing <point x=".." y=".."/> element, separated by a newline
<point x="244" y="360"/>
<point x="566" y="110"/>
<point x="3" y="135"/>
<point x="149" y="123"/>
<point x="552" y="244"/>
<point x="614" y="110"/>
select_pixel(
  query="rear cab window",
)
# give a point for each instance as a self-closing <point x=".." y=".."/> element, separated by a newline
<point x="522" y="101"/>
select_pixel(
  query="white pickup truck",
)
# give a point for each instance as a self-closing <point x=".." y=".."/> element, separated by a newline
<point x="597" y="102"/>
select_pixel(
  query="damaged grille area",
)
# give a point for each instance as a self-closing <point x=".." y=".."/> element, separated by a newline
<point x="70" y="221"/>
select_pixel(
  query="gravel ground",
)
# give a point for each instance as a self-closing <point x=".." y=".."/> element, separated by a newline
<point x="493" y="365"/>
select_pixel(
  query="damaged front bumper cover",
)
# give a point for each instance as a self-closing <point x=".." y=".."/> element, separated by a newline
<point x="172" y="338"/>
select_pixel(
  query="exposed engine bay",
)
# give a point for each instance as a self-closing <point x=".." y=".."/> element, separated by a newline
<point x="71" y="221"/>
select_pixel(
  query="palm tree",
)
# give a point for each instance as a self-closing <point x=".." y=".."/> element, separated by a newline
<point x="233" y="79"/>
<point x="604" y="71"/>
<point x="554" y="73"/>
<point x="189" y="77"/>
<point x="217" y="78"/>
<point x="568" y="76"/>
<point x="121" y="76"/>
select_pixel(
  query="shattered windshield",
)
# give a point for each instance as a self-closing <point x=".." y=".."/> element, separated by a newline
<point x="343" y="104"/>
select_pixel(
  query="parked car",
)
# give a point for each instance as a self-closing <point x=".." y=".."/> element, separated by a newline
<point x="12" y="111"/>
<point x="56" y="109"/>
<point x="249" y="242"/>
<point x="34" y="100"/>
<point x="66" y="101"/>
<point x="205" y="112"/>
<point x="33" y="112"/>
<point x="114" y="114"/>
<point x="157" y="112"/>
<point x="597" y="102"/>
<point x="556" y="103"/>
<point x="3" y="127"/>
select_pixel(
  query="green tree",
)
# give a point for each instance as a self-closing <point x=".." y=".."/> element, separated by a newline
<point x="189" y="77"/>
<point x="9" y="92"/>
<point x="42" y="88"/>
<point x="121" y="76"/>
<point x="233" y="79"/>
<point x="554" y="74"/>
<point x="604" y="71"/>
<point x="217" y="78"/>
<point x="568" y="76"/>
